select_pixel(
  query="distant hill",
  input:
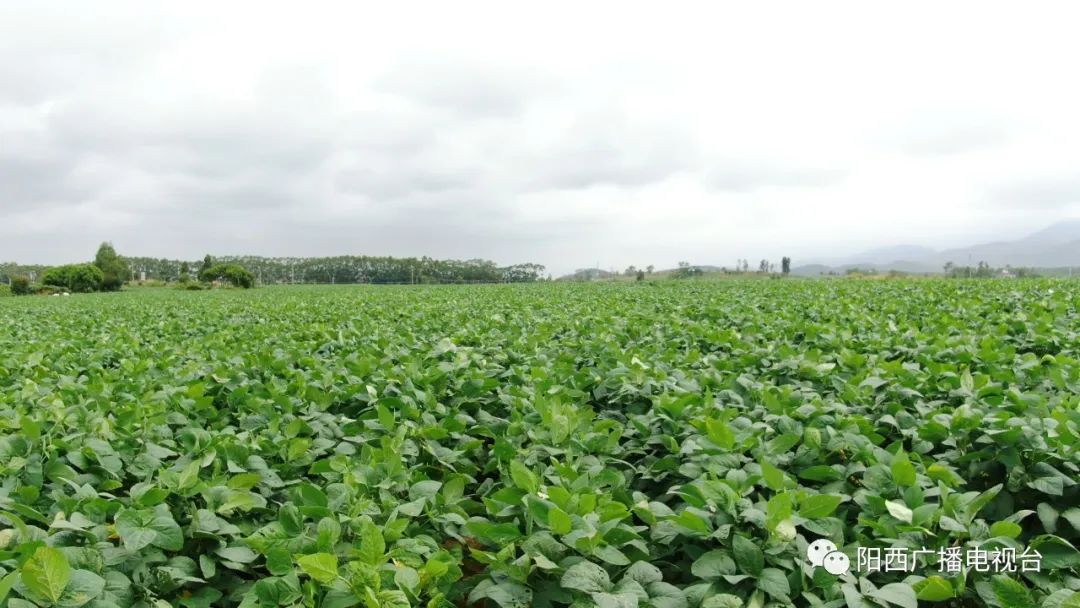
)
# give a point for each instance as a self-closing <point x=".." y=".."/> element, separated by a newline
<point x="588" y="274"/>
<point x="885" y="255"/>
<point x="594" y="274"/>
<point x="1055" y="246"/>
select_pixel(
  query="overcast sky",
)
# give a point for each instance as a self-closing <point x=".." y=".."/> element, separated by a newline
<point x="567" y="134"/>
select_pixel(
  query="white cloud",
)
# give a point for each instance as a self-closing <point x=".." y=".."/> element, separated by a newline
<point x="561" y="133"/>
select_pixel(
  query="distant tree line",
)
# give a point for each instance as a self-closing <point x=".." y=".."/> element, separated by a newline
<point x="983" y="270"/>
<point x="348" y="269"/>
<point x="742" y="266"/>
<point x="10" y="271"/>
<point x="683" y="270"/>
<point x="107" y="272"/>
<point x="686" y="271"/>
<point x="213" y="272"/>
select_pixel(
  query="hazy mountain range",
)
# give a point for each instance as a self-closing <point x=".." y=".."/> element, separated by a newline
<point x="1055" y="246"/>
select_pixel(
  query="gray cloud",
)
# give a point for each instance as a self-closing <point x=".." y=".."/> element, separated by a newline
<point x="1044" y="193"/>
<point x="736" y="176"/>
<point x="957" y="140"/>
<point x="947" y="130"/>
<point x="392" y="184"/>
<point x="607" y="148"/>
<point x="468" y="89"/>
<point x="178" y="131"/>
<point x="29" y="181"/>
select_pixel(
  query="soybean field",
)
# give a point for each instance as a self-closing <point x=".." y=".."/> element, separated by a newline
<point x="660" y="444"/>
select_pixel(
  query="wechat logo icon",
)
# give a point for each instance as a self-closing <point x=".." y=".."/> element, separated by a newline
<point x="823" y="554"/>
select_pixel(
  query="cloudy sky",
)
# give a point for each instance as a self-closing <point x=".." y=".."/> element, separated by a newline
<point x="567" y="134"/>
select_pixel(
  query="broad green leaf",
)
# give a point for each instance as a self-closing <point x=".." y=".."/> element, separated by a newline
<point x="644" y="573"/>
<point x="6" y="583"/>
<point x="1073" y="601"/>
<point x="291" y="520"/>
<point x="818" y="506"/>
<point x="279" y="561"/>
<point x="778" y="509"/>
<point x="748" y="555"/>
<point x="142" y="528"/>
<point x="494" y="534"/>
<point x="783" y="443"/>
<point x="372" y="545"/>
<point x="1011" y="593"/>
<point x="202" y="598"/>
<point x="1006" y="528"/>
<point x="897" y="594"/>
<point x="47" y="573"/>
<point x="240" y="555"/>
<point x="322" y="567"/>
<point x="559" y="521"/>
<point x="664" y="595"/>
<point x="586" y="576"/>
<point x="189" y="476"/>
<point x="1072" y="515"/>
<point x="722" y="600"/>
<point x="1062" y="599"/>
<point x="1055" y="552"/>
<point x="83" y="587"/>
<point x="611" y="555"/>
<point x="903" y="471"/>
<point x="713" y="564"/>
<point x="934" y="589"/>
<point x="982" y="500"/>
<point x="773" y="582"/>
<point x="424" y="489"/>
<point x="507" y="594"/>
<point x="899" y="511"/>
<point x="614" y="600"/>
<point x="719" y="433"/>
<point x="523" y="477"/>
<point x="774" y="477"/>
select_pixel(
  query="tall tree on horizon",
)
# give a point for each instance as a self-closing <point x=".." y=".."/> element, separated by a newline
<point x="207" y="264"/>
<point x="114" y="270"/>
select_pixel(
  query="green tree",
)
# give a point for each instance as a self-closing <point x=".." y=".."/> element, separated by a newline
<point x="207" y="264"/>
<point x="234" y="274"/>
<point x="185" y="272"/>
<point x="522" y="273"/>
<point x="685" y="271"/>
<point x="113" y="268"/>
<point x="785" y="265"/>
<point x="79" y="278"/>
<point x="20" y="286"/>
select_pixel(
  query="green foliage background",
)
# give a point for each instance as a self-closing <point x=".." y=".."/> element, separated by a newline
<point x="667" y="445"/>
<point x="79" y="278"/>
<point x="234" y="274"/>
<point x="114" y="270"/>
